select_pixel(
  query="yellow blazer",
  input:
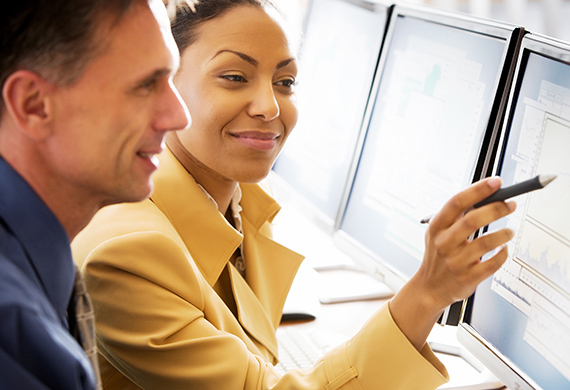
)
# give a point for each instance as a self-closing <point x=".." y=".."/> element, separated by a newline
<point x="150" y="268"/>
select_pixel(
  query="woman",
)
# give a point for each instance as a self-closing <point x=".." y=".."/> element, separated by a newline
<point x="188" y="287"/>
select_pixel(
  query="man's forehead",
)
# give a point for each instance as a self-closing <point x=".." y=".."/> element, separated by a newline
<point x="145" y="29"/>
<point x="159" y="10"/>
<point x="134" y="48"/>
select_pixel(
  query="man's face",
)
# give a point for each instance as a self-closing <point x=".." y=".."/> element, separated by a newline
<point x="109" y="126"/>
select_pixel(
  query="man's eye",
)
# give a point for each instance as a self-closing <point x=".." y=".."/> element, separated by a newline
<point x="150" y="85"/>
<point x="146" y="86"/>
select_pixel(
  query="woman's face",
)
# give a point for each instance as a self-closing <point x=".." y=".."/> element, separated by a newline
<point x="237" y="80"/>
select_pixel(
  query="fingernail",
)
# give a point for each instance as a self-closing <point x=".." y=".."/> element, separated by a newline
<point x="511" y="234"/>
<point x="494" y="182"/>
<point x="512" y="205"/>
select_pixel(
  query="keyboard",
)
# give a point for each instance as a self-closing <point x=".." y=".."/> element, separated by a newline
<point x="301" y="347"/>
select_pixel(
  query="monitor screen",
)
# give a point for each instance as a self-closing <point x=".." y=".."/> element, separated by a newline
<point x="338" y="60"/>
<point x="440" y="92"/>
<point x="518" y="321"/>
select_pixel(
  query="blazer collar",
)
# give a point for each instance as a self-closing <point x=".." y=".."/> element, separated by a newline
<point x="270" y="267"/>
<point x="194" y="216"/>
<point x="175" y="189"/>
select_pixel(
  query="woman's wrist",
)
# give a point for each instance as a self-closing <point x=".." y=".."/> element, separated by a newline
<point x="415" y="311"/>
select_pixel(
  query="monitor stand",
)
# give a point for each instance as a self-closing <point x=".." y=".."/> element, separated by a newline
<point x="465" y="371"/>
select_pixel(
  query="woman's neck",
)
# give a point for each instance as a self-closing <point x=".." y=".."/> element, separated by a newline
<point x="219" y="187"/>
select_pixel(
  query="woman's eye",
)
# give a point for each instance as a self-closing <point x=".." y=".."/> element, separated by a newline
<point x="289" y="83"/>
<point x="234" y="77"/>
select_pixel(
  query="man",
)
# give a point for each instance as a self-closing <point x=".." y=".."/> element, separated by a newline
<point x="87" y="97"/>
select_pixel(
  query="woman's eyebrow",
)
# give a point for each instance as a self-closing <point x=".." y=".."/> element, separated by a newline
<point x="243" y="56"/>
<point x="252" y="60"/>
<point x="284" y="63"/>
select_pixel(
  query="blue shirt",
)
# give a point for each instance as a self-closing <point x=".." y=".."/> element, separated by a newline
<point x="36" y="282"/>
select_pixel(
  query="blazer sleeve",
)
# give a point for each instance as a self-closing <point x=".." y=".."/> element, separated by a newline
<point x="152" y="308"/>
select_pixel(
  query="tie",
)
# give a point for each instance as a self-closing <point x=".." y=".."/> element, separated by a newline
<point x="82" y="322"/>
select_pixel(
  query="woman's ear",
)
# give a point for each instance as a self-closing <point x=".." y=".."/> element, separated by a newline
<point x="27" y="98"/>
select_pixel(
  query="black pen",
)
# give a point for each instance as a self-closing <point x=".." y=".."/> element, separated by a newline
<point x="505" y="193"/>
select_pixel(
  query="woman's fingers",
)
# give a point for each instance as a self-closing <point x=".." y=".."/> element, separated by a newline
<point x="468" y="265"/>
<point x="452" y="266"/>
<point x="463" y="201"/>
<point x="464" y="226"/>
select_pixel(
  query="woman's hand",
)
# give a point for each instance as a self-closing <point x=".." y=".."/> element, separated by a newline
<point x="452" y="266"/>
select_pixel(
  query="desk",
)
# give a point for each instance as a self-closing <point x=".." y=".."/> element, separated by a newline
<point x="296" y="231"/>
<point x="343" y="318"/>
<point x="347" y="318"/>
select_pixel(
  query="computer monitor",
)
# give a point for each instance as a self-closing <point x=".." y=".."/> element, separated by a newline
<point x="439" y="98"/>
<point x="518" y="321"/>
<point x="338" y="59"/>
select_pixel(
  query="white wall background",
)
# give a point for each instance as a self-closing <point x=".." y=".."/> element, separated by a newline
<point x="549" y="17"/>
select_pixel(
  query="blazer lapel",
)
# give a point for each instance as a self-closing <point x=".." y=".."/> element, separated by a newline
<point x="270" y="270"/>
<point x="270" y="267"/>
<point x="251" y="314"/>
<point x="195" y="217"/>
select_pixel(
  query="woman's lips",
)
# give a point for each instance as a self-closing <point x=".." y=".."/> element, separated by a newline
<point x="257" y="139"/>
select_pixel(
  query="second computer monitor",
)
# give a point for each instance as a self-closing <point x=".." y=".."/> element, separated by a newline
<point x="439" y="97"/>
<point x="338" y="60"/>
<point x="518" y="321"/>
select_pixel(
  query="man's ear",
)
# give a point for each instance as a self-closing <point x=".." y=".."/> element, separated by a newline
<point x="27" y="97"/>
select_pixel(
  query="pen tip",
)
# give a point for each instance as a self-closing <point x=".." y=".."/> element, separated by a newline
<point x="426" y="219"/>
<point x="546" y="179"/>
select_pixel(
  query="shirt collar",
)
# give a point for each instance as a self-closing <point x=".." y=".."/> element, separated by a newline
<point x="197" y="219"/>
<point x="183" y="156"/>
<point x="235" y="207"/>
<point x="40" y="234"/>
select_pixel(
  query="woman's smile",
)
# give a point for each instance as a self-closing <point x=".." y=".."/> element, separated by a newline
<point x="260" y="140"/>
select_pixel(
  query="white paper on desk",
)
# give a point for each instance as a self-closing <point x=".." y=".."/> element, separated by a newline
<point x="347" y="285"/>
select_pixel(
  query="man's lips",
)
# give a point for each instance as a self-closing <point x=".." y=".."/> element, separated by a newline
<point x="150" y="155"/>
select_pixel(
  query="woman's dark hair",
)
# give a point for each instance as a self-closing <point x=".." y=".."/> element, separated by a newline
<point x="192" y="13"/>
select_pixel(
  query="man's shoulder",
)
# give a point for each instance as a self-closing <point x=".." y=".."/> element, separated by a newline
<point x="35" y="346"/>
<point x="22" y="302"/>
<point x="17" y="291"/>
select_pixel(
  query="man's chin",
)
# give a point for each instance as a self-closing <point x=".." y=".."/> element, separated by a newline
<point x="132" y="195"/>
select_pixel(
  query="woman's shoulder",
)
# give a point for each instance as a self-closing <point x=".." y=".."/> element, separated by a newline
<point x="141" y="224"/>
<point x="126" y="218"/>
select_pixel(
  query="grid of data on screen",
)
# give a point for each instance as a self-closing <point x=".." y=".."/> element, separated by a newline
<point x="337" y="65"/>
<point x="425" y="133"/>
<point x="524" y="310"/>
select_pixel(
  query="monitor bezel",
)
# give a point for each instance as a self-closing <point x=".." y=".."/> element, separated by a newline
<point x="512" y="34"/>
<point x="287" y="192"/>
